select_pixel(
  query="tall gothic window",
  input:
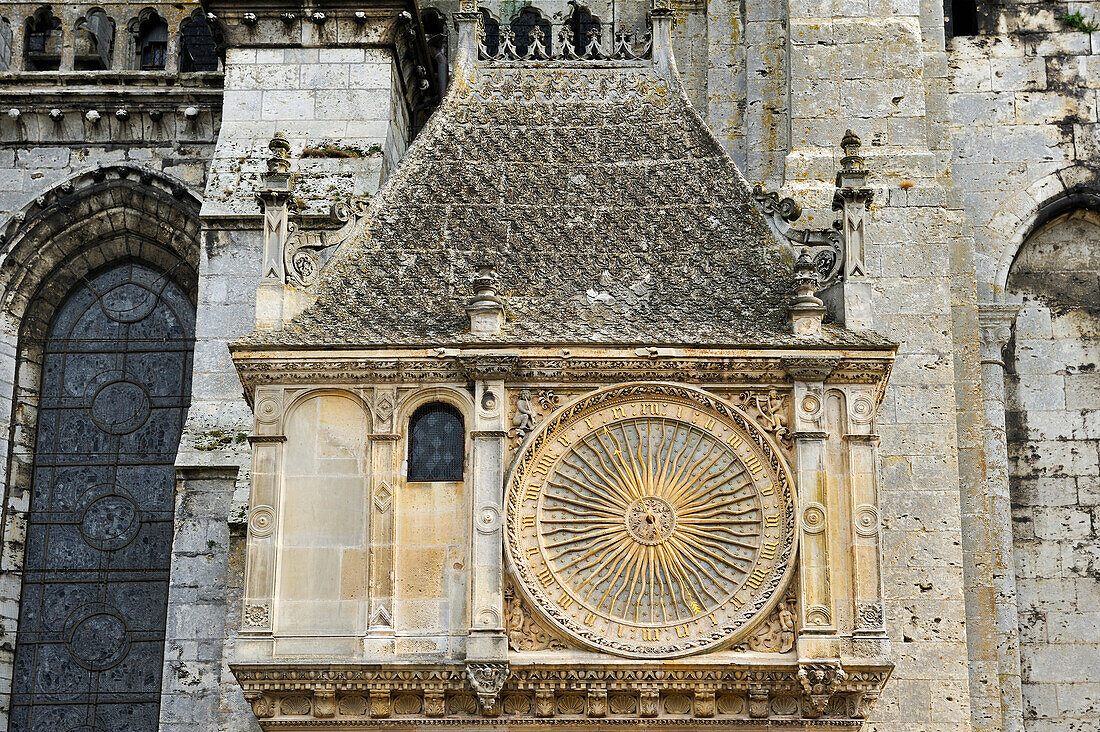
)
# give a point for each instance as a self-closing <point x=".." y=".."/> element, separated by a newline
<point x="116" y="375"/>
<point x="437" y="440"/>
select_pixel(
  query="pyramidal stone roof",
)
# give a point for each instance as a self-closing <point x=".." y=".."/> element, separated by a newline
<point x="606" y="206"/>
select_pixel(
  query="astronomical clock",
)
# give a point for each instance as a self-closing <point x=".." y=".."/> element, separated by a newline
<point x="651" y="521"/>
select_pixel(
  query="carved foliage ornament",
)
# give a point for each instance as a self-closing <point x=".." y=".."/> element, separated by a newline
<point x="651" y="520"/>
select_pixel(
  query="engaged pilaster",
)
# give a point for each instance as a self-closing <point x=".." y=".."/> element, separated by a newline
<point x="995" y="322"/>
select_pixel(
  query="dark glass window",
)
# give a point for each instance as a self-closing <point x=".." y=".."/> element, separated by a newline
<point x="153" y="43"/>
<point x="198" y="48"/>
<point x="583" y="27"/>
<point x="524" y="26"/>
<point x="43" y="42"/>
<point x="116" y="376"/>
<point x="437" y="441"/>
<point x="490" y="30"/>
<point x="960" y="18"/>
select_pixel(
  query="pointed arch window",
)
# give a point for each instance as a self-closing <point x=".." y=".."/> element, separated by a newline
<point x="489" y="32"/>
<point x="437" y="441"/>
<point x="95" y="36"/>
<point x="152" y="43"/>
<point x="583" y="28"/>
<point x="43" y="41"/>
<point x="116" y="382"/>
<point x="528" y="26"/>
<point x="200" y="47"/>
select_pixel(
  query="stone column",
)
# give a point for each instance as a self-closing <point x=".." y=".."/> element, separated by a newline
<point x="995" y="322"/>
<point x="487" y="641"/>
<point x="864" y="533"/>
<point x="383" y="475"/>
<point x="268" y="442"/>
<point x="817" y="638"/>
<point x="191" y="686"/>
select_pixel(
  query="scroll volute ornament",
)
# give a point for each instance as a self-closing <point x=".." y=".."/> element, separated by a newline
<point x="651" y="520"/>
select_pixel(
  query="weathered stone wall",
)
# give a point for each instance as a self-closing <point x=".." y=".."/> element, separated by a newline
<point x="1054" y="435"/>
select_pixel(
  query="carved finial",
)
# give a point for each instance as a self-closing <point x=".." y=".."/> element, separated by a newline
<point x="806" y="309"/>
<point x="279" y="162"/>
<point x="485" y="309"/>
<point x="851" y="144"/>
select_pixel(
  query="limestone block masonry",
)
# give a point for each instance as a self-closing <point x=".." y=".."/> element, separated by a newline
<point x="943" y="457"/>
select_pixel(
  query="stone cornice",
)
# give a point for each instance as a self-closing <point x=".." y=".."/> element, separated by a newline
<point x="681" y="694"/>
<point x="585" y="365"/>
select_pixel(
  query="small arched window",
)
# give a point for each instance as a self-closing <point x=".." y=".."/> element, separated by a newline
<point x="528" y="26"/>
<point x="437" y="441"/>
<point x="152" y="43"/>
<point x="95" y="36"/>
<point x="489" y="33"/>
<point x="199" y="47"/>
<point x="583" y="28"/>
<point x="43" y="41"/>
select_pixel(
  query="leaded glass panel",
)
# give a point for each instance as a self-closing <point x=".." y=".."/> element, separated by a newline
<point x="437" y="440"/>
<point x="115" y="388"/>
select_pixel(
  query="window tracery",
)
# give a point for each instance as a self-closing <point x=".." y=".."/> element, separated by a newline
<point x="532" y="34"/>
<point x="115" y="387"/>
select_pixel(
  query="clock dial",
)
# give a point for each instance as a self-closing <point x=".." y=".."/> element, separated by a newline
<point x="650" y="520"/>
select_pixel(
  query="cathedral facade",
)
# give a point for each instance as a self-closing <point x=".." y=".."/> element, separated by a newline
<point x="383" y="363"/>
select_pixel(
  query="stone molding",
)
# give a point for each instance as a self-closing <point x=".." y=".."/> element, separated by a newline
<point x="683" y="694"/>
<point x="451" y="365"/>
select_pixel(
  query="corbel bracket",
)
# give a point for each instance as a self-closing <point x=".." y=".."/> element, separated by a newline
<point x="825" y="246"/>
<point x="307" y="252"/>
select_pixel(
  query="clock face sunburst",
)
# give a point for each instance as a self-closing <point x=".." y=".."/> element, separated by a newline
<point x="650" y="520"/>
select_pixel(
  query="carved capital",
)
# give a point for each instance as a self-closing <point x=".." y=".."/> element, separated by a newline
<point x="995" y="321"/>
<point x="379" y="703"/>
<point x="263" y="706"/>
<point x="758" y="701"/>
<point x="324" y="703"/>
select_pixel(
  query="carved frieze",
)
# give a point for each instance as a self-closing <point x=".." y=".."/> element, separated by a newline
<point x="449" y="367"/>
<point x="824" y="694"/>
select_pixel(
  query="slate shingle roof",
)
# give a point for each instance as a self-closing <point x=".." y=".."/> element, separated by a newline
<point x="611" y="213"/>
